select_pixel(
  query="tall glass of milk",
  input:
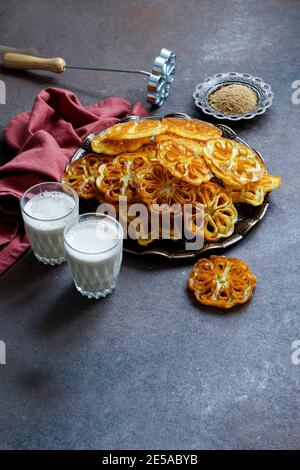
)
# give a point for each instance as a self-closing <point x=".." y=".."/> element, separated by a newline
<point x="46" y="210"/>
<point x="94" y="244"/>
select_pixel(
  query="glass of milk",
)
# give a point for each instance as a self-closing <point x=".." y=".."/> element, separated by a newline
<point x="94" y="244"/>
<point x="46" y="210"/>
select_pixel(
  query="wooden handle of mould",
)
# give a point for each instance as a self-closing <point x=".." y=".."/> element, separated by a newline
<point x="13" y="60"/>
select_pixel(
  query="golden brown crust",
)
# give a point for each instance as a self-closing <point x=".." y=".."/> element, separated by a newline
<point x="169" y="162"/>
<point x="232" y="162"/>
<point x="115" y="147"/>
<point x="183" y="163"/>
<point x="81" y="174"/>
<point x="150" y="151"/>
<point x="192" y="128"/>
<point x="117" y="178"/>
<point x="222" y="282"/>
<point x="254" y="193"/>
<point x="196" y="146"/>
<point x="161" y="230"/>
<point x="156" y="185"/>
<point x="133" y="130"/>
<point x="220" y="215"/>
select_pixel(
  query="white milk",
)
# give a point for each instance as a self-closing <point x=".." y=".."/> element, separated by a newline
<point x="51" y="211"/>
<point x="94" y="254"/>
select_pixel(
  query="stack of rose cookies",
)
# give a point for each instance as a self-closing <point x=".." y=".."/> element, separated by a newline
<point x="161" y="163"/>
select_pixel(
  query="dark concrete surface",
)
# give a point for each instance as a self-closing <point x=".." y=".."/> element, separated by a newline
<point x="147" y="367"/>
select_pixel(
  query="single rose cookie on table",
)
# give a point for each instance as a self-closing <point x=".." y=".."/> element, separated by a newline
<point x="222" y="282"/>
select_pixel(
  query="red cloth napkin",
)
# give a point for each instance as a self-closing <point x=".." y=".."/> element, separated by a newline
<point x="45" y="139"/>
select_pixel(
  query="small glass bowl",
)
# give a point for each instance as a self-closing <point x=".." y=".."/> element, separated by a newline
<point x="211" y="84"/>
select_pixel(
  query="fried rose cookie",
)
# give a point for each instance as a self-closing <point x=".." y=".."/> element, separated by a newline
<point x="254" y="193"/>
<point x="115" y="147"/>
<point x="234" y="163"/>
<point x="117" y="178"/>
<point x="134" y="130"/>
<point x="222" y="282"/>
<point x="156" y="185"/>
<point x="220" y="215"/>
<point x="196" y="146"/>
<point x="81" y="174"/>
<point x="192" y="128"/>
<point x="183" y="162"/>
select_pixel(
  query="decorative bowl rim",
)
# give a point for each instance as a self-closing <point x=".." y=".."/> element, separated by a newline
<point x="204" y="89"/>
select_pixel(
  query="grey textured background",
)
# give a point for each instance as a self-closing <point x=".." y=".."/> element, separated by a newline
<point x="147" y="367"/>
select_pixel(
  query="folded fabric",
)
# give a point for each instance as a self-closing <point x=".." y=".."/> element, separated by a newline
<point x="45" y="139"/>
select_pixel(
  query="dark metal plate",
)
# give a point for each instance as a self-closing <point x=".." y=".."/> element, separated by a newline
<point x="248" y="216"/>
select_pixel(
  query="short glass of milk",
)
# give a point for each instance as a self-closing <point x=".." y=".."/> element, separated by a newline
<point x="94" y="244"/>
<point x="46" y="210"/>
